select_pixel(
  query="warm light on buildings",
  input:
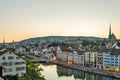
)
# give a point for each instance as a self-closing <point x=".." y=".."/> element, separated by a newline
<point x="69" y="62"/>
<point x="112" y="69"/>
<point x="53" y="58"/>
<point x="75" y="62"/>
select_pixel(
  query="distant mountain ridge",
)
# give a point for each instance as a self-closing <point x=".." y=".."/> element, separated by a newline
<point x="59" y="39"/>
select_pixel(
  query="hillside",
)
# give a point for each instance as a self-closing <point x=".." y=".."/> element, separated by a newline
<point x="59" y="39"/>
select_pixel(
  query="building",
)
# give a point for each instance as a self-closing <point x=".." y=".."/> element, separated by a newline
<point x="111" y="35"/>
<point x="111" y="59"/>
<point x="12" y="63"/>
<point x="111" y="38"/>
<point x="63" y="52"/>
<point x="90" y="58"/>
<point x="75" y="57"/>
<point x="99" y="61"/>
<point x="70" y="57"/>
<point x="47" y="53"/>
<point x="81" y="59"/>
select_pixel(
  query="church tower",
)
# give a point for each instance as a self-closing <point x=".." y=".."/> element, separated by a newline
<point x="109" y="36"/>
<point x="3" y="39"/>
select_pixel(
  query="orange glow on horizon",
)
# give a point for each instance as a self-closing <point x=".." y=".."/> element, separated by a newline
<point x="23" y="37"/>
<point x="18" y="35"/>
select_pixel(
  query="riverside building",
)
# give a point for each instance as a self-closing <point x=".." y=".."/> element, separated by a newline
<point x="12" y="63"/>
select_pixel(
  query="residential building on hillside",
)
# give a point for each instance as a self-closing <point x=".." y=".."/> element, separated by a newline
<point x="47" y="53"/>
<point x="12" y="63"/>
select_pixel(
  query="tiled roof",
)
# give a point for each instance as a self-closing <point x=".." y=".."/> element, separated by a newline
<point x="6" y="50"/>
<point x="11" y="50"/>
<point x="115" y="51"/>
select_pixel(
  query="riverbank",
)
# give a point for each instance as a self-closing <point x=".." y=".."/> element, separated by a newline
<point x="87" y="69"/>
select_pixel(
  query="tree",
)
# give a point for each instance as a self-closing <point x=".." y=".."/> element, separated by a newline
<point x="10" y="77"/>
<point x="85" y="43"/>
<point x="33" y="71"/>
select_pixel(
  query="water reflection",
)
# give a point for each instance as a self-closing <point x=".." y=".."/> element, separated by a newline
<point x="81" y="75"/>
<point x="55" y="72"/>
<point x="63" y="71"/>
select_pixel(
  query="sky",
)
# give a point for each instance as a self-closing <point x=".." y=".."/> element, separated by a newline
<point x="22" y="19"/>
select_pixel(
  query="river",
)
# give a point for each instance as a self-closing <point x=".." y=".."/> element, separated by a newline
<point x="55" y="72"/>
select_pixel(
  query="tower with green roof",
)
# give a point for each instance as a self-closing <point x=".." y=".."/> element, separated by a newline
<point x="111" y="35"/>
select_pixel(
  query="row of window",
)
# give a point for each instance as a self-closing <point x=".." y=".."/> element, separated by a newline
<point x="20" y="68"/>
<point x="11" y="69"/>
<point x="8" y="70"/>
<point x="110" y="61"/>
<point x="115" y="56"/>
<point x="7" y="64"/>
<point x="18" y="63"/>
<point x="114" y="65"/>
<point x="9" y="57"/>
<point x="11" y="63"/>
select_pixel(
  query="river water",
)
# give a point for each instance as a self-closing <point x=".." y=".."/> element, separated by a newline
<point x="55" y="72"/>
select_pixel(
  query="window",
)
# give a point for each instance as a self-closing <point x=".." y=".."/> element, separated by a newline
<point x="3" y="58"/>
<point x="116" y="61"/>
<point x="116" y="58"/>
<point x="17" y="57"/>
<point x="10" y="69"/>
<point x="4" y="64"/>
<point x="10" y="63"/>
<point x="112" y="58"/>
<point x="10" y="57"/>
<point x="18" y="63"/>
<point x="20" y="68"/>
<point x="112" y="61"/>
<point x="5" y="70"/>
<point x="112" y="64"/>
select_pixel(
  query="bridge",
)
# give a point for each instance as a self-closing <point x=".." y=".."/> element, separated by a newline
<point x="40" y="60"/>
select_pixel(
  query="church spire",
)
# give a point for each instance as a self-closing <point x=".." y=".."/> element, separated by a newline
<point x="109" y="36"/>
<point x="3" y="39"/>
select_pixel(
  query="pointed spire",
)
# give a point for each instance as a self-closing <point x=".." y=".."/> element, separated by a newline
<point x="110" y="29"/>
<point x="109" y="36"/>
<point x="3" y="39"/>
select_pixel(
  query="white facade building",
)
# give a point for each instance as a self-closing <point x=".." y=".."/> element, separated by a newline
<point x="12" y="63"/>
<point x="70" y="57"/>
<point x="75" y="57"/>
<point x="90" y="58"/>
<point x="63" y="53"/>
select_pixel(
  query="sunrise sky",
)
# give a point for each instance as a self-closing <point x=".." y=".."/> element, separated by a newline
<point x="22" y="19"/>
